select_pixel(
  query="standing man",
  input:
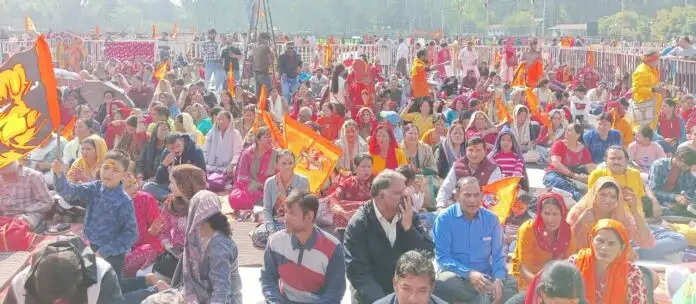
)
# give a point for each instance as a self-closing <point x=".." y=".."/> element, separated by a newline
<point x="262" y="58"/>
<point x="402" y="58"/>
<point x="302" y="263"/>
<point x="468" y="60"/>
<point x="212" y="61"/>
<point x="469" y="249"/>
<point x="377" y="235"/>
<point x="419" y="75"/>
<point x="289" y="64"/>
<point x="231" y="56"/>
<point x="414" y="280"/>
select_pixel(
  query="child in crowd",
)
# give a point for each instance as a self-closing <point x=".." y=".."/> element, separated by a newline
<point x="519" y="213"/>
<point x="110" y="225"/>
<point x="644" y="151"/>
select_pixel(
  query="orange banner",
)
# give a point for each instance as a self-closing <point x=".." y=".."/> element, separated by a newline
<point x="505" y="193"/>
<point x="501" y="111"/>
<point x="231" y="82"/>
<point x="533" y="104"/>
<point x="316" y="156"/>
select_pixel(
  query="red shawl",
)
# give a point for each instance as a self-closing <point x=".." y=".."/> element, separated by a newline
<point x="669" y="127"/>
<point x="545" y="241"/>
<point x="391" y="162"/>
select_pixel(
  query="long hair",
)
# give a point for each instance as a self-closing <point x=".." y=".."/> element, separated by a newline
<point x="334" y="77"/>
<point x="189" y="179"/>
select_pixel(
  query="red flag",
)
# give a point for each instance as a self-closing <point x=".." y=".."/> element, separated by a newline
<point x="29" y="110"/>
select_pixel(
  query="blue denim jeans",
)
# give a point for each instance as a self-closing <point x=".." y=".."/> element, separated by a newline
<point x="288" y="86"/>
<point x="555" y="180"/>
<point x="666" y="242"/>
<point x="214" y="70"/>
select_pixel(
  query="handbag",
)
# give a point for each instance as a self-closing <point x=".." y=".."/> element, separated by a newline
<point x="15" y="235"/>
<point x="165" y="264"/>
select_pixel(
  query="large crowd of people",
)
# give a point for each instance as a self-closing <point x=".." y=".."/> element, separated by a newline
<point x="403" y="216"/>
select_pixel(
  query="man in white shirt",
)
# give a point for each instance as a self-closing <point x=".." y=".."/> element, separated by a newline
<point x="468" y="60"/>
<point x="402" y="57"/>
<point x="579" y="106"/>
<point x="598" y="97"/>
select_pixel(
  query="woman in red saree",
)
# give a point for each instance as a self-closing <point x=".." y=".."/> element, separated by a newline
<point x="352" y="192"/>
<point x="384" y="149"/>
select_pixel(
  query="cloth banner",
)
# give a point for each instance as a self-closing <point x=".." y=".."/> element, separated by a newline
<point x="129" y="50"/>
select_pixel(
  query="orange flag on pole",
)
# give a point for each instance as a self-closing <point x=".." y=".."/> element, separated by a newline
<point x="29" y="25"/>
<point x="262" y="98"/>
<point x="519" y="79"/>
<point x="175" y="31"/>
<point x="505" y="193"/>
<point x="275" y="133"/>
<point x="533" y="104"/>
<point x="154" y="31"/>
<point x="316" y="156"/>
<point x="501" y="110"/>
<point x="231" y="82"/>
<point x="161" y="70"/>
<point x="97" y="32"/>
<point x="534" y="74"/>
<point x="31" y="112"/>
<point x="260" y="109"/>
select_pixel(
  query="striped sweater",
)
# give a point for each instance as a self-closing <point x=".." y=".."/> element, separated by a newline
<point x="309" y="273"/>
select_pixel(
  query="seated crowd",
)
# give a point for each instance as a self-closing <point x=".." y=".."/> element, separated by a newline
<point x="403" y="216"/>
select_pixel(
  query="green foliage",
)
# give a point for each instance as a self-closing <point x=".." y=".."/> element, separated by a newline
<point x="627" y="24"/>
<point x="521" y="22"/>
<point x="674" y="22"/>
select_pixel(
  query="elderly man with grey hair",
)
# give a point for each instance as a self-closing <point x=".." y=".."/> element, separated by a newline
<point x="24" y="194"/>
<point x="377" y="235"/>
<point x="469" y="250"/>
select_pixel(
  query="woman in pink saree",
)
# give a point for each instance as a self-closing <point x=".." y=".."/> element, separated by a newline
<point x="256" y="164"/>
<point x="443" y="59"/>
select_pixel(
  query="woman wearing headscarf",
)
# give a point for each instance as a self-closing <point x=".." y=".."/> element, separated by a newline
<point x="384" y="150"/>
<point x="480" y="126"/>
<point x="151" y="157"/>
<point x="256" y="164"/>
<point x="86" y="167"/>
<point x="184" y="124"/>
<point x="148" y="247"/>
<point x="547" y="136"/>
<point x="451" y="149"/>
<point x="419" y="155"/>
<point x="351" y="192"/>
<point x="366" y="122"/>
<point x="524" y="132"/>
<point x="352" y="145"/>
<point x="548" y="237"/>
<point x="200" y="117"/>
<point x="210" y="270"/>
<point x="606" y="269"/>
<point x="437" y="133"/>
<point x="606" y="200"/>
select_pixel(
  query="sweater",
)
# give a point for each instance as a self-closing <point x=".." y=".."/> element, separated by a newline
<point x="370" y="259"/>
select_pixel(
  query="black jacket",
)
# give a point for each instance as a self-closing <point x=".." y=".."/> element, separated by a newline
<point x="288" y="63"/>
<point x="370" y="259"/>
<point x="192" y="155"/>
<point x="150" y="159"/>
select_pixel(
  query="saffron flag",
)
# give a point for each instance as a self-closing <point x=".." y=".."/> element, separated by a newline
<point x="533" y="104"/>
<point x="161" y="70"/>
<point x="505" y="193"/>
<point x="501" y="110"/>
<point x="231" y="82"/>
<point x="154" y="31"/>
<point x="278" y="139"/>
<point x="260" y="109"/>
<point x="97" y="32"/>
<point x="534" y="73"/>
<point x="519" y="79"/>
<point x="29" y="111"/>
<point x="29" y="25"/>
<point x="316" y="156"/>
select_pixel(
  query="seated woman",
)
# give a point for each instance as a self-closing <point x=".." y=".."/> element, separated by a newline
<point x="599" y="139"/>
<point x="671" y="127"/>
<point x="570" y="161"/>
<point x="384" y="150"/>
<point x="148" y="247"/>
<point x="222" y="148"/>
<point x="210" y="272"/>
<point x="184" y="124"/>
<point x="507" y="155"/>
<point x="419" y="114"/>
<point x="275" y="190"/>
<point x="419" y="155"/>
<point x="644" y="151"/>
<point x="480" y="126"/>
<point x="151" y="157"/>
<point x="200" y="117"/>
<point x="352" y="145"/>
<point x="525" y="133"/>
<point x="351" y="192"/>
<point x="127" y="135"/>
<point x="86" y="167"/>
<point x="558" y="282"/>
<point x="548" y="237"/>
<point x="256" y="164"/>
<point x="170" y="229"/>
<point x="450" y="149"/>
<point x="548" y="136"/>
<point x="367" y="121"/>
<point x="437" y="133"/>
<point x="606" y="200"/>
<point x="606" y="269"/>
<point x="332" y="121"/>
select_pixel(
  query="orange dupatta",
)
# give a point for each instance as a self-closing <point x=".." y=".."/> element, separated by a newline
<point x="617" y="273"/>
